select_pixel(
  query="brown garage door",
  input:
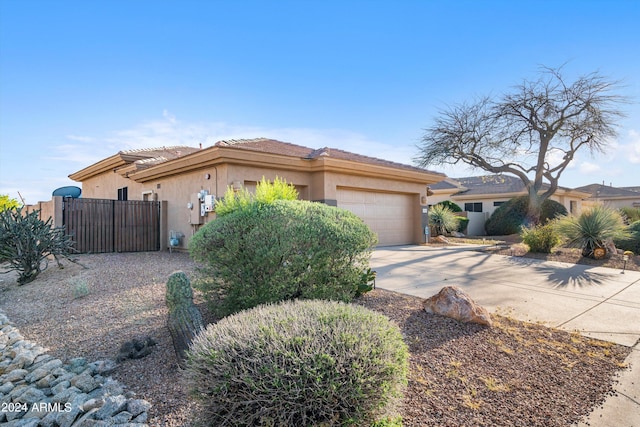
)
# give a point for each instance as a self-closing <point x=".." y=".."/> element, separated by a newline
<point x="390" y="215"/>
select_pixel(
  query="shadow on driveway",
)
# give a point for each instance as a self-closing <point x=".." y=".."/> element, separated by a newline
<point x="560" y="277"/>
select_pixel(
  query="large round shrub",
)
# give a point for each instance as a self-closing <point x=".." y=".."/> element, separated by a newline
<point x="298" y="363"/>
<point x="284" y="250"/>
<point x="512" y="215"/>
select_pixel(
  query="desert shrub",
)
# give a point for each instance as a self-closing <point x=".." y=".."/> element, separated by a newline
<point x="592" y="228"/>
<point x="463" y="223"/>
<point x="630" y="215"/>
<point x="7" y="203"/>
<point x="631" y="243"/>
<point x="541" y="238"/>
<point x="284" y="250"/>
<point x="266" y="192"/>
<point x="453" y="207"/>
<point x="512" y="215"/>
<point x="26" y="242"/>
<point x="442" y="219"/>
<point x="298" y="363"/>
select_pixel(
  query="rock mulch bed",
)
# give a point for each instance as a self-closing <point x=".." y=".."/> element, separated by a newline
<point x="37" y="390"/>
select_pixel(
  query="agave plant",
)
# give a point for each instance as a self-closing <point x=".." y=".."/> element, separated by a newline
<point x="442" y="219"/>
<point x="592" y="229"/>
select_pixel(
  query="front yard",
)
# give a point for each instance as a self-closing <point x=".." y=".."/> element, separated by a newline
<point x="514" y="374"/>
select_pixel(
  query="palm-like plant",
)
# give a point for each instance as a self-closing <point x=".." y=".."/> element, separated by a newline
<point x="442" y="219"/>
<point x="592" y="229"/>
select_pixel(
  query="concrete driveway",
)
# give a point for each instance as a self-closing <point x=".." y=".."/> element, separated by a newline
<point x="598" y="302"/>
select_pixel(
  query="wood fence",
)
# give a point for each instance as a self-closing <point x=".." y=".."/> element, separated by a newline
<point x="99" y="225"/>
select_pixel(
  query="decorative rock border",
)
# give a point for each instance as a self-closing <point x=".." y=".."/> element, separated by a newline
<point x="37" y="390"/>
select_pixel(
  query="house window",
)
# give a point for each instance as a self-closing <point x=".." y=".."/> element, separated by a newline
<point x="496" y="204"/>
<point x="123" y="193"/>
<point x="473" y="207"/>
<point x="573" y="206"/>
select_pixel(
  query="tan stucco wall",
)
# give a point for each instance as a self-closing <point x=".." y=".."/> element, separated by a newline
<point x="51" y="209"/>
<point x="317" y="186"/>
<point x="616" y="204"/>
<point x="105" y="186"/>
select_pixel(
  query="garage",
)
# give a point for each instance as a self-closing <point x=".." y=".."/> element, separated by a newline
<point x="389" y="215"/>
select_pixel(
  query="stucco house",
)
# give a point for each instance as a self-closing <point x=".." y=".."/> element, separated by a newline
<point x="390" y="197"/>
<point x="480" y="196"/>
<point x="615" y="197"/>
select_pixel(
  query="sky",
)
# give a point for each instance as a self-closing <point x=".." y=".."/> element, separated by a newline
<point x="82" y="80"/>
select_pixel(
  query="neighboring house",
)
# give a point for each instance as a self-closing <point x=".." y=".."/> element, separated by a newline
<point x="390" y="197"/>
<point x="480" y="196"/>
<point x="615" y="197"/>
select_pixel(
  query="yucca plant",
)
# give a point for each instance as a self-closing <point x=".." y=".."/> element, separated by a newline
<point x="442" y="219"/>
<point x="592" y="229"/>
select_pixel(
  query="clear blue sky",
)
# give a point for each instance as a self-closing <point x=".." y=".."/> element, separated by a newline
<point x="82" y="80"/>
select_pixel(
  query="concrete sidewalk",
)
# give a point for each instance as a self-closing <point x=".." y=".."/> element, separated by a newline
<point x="598" y="302"/>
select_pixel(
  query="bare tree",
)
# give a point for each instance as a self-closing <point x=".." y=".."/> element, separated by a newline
<point x="532" y="132"/>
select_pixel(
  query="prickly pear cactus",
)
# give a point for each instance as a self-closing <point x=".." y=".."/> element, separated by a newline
<point x="185" y="321"/>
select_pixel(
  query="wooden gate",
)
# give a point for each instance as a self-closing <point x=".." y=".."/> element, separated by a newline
<point x="100" y="225"/>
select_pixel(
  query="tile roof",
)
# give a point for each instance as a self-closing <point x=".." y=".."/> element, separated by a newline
<point x="444" y="185"/>
<point x="273" y="146"/>
<point x="635" y="188"/>
<point x="599" y="190"/>
<point x="491" y="184"/>
<point x="168" y="153"/>
<point x="486" y="184"/>
<point x="267" y="145"/>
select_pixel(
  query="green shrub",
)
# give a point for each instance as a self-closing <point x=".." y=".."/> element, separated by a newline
<point x="630" y="215"/>
<point x="26" y="242"/>
<point x="266" y="192"/>
<point x="541" y="238"/>
<point x="442" y="219"/>
<point x="512" y="215"/>
<point x="284" y="250"/>
<point x="592" y="228"/>
<point x="463" y="223"/>
<point x="298" y="363"/>
<point x="631" y="243"/>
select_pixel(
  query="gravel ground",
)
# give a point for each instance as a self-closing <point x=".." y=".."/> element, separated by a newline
<point x="513" y="374"/>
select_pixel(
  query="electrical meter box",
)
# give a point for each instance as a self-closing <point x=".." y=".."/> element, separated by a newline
<point x="195" y="215"/>
<point x="209" y="202"/>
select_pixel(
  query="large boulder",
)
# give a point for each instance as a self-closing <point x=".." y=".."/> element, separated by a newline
<point x="453" y="302"/>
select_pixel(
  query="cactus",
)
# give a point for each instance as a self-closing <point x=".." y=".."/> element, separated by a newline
<point x="185" y="321"/>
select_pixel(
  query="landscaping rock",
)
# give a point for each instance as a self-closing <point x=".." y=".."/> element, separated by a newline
<point x="58" y="395"/>
<point x="439" y="239"/>
<point x="136" y="349"/>
<point x="103" y="367"/>
<point x="453" y="302"/>
<point x="138" y="406"/>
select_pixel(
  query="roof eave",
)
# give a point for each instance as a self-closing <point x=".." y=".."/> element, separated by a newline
<point x="109" y="164"/>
